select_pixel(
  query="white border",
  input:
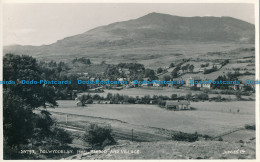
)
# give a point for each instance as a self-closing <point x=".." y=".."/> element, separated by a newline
<point x="255" y="2"/>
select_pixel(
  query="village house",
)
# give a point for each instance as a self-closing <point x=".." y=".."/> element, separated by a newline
<point x="177" y="105"/>
<point x="132" y="84"/>
<point x="156" y="84"/>
<point x="189" y="84"/>
<point x="188" y="81"/>
<point x="202" y="70"/>
<point x="237" y="86"/>
<point x="207" y="85"/>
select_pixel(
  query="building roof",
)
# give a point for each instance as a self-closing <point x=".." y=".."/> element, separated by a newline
<point x="177" y="103"/>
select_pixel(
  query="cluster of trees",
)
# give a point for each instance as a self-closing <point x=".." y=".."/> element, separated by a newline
<point x="22" y="127"/>
<point x="147" y="99"/>
<point x="82" y="60"/>
<point x="137" y="71"/>
<point x="188" y="67"/>
<point x="149" y="73"/>
<point x="175" y="72"/>
<point x="60" y="71"/>
<point x="204" y="65"/>
<point x="213" y="69"/>
<point x="223" y="78"/>
<point x="225" y="62"/>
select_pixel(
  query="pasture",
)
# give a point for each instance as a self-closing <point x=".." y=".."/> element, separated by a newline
<point x="166" y="91"/>
<point x="210" y="118"/>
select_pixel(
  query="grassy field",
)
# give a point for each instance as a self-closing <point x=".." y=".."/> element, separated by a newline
<point x="209" y="118"/>
<point x="159" y="91"/>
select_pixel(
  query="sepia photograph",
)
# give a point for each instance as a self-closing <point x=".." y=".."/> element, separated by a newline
<point x="130" y="81"/>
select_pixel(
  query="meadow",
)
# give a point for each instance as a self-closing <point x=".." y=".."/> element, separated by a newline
<point x="209" y="118"/>
<point x="166" y="91"/>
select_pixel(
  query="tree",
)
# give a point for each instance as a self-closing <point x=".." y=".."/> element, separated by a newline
<point x="174" y="96"/>
<point x="17" y="120"/>
<point x="84" y="99"/>
<point x="149" y="73"/>
<point x="159" y="70"/>
<point x="172" y="65"/>
<point x="19" y="68"/>
<point x="183" y="68"/>
<point x="166" y="77"/>
<point x="188" y="96"/>
<point x="191" y="68"/>
<point x="20" y="123"/>
<point x="238" y="96"/>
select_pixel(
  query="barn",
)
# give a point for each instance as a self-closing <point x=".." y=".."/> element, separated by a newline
<point x="177" y="105"/>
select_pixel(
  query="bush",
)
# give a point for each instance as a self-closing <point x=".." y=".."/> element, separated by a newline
<point x="174" y="96"/>
<point x="202" y="96"/>
<point x="250" y="127"/>
<point x="98" y="137"/>
<point x="62" y="136"/>
<point x="220" y="139"/>
<point x="181" y="136"/>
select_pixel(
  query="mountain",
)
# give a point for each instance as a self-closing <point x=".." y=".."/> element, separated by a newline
<point x="149" y="30"/>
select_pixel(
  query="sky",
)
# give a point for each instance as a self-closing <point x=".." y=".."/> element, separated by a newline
<point x="38" y="24"/>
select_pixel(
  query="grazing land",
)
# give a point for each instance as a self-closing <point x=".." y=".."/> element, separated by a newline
<point x="165" y="91"/>
<point x="212" y="119"/>
<point x="153" y="126"/>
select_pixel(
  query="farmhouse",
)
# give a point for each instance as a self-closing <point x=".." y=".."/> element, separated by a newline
<point x="177" y="105"/>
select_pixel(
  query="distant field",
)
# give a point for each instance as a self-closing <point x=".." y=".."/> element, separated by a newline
<point x="158" y="91"/>
<point x="204" y="120"/>
<point x="244" y="107"/>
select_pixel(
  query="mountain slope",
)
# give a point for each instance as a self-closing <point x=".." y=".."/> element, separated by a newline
<point x="149" y="30"/>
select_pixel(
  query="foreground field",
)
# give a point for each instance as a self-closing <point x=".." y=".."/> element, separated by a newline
<point x="209" y="118"/>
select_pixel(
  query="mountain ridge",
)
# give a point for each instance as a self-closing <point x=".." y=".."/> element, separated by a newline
<point x="153" y="28"/>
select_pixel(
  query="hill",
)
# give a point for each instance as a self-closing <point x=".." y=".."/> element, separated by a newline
<point x="147" y="33"/>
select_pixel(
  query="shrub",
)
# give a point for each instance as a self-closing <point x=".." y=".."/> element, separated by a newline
<point x="202" y="96"/>
<point x="174" y="96"/>
<point x="241" y="141"/>
<point x="98" y="137"/>
<point x="181" y="136"/>
<point x="250" y="127"/>
<point x="220" y="139"/>
<point x="62" y="136"/>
